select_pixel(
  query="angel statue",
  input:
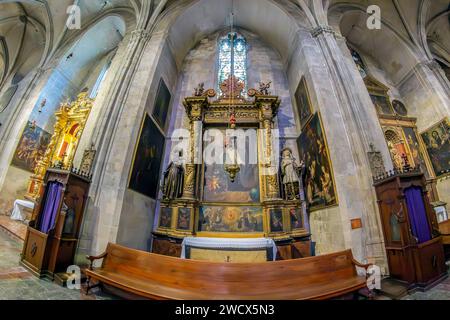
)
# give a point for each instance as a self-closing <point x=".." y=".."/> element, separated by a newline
<point x="290" y="175"/>
<point x="174" y="179"/>
<point x="264" y="88"/>
<point x="200" y="90"/>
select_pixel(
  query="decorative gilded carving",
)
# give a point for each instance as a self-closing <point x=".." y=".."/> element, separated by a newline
<point x="376" y="161"/>
<point x="189" y="181"/>
<point x="87" y="161"/>
<point x="70" y="121"/>
<point x="229" y="109"/>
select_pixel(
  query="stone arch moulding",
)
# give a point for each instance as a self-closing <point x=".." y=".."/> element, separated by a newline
<point x="208" y="16"/>
<point x="125" y="15"/>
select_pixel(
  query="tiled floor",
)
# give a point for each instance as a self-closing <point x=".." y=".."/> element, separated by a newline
<point x="440" y="292"/>
<point x="17" y="283"/>
<point x="16" y="228"/>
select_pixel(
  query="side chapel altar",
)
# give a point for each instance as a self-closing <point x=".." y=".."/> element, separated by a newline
<point x="229" y="249"/>
<point x="238" y="198"/>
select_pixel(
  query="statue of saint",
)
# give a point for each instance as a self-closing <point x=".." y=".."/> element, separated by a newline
<point x="290" y="174"/>
<point x="174" y="179"/>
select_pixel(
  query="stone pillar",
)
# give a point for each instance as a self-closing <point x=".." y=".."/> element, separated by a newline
<point x="351" y="125"/>
<point x="123" y="116"/>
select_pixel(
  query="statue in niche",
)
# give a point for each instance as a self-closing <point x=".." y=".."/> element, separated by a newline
<point x="376" y="161"/>
<point x="174" y="179"/>
<point x="396" y="156"/>
<point x="291" y="174"/>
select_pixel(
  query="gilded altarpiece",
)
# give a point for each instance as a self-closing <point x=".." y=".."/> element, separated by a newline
<point x="71" y="119"/>
<point x="405" y="145"/>
<point x="234" y="201"/>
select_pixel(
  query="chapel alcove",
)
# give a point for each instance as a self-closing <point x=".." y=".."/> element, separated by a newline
<point x="215" y="195"/>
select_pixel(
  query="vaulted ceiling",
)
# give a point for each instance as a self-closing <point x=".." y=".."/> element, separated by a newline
<point x="32" y="31"/>
<point x="412" y="31"/>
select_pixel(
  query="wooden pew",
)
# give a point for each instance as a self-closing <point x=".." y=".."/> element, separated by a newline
<point x="155" y="276"/>
<point x="444" y="229"/>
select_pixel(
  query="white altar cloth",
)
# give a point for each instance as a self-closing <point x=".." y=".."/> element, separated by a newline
<point x="227" y="243"/>
<point x="18" y="213"/>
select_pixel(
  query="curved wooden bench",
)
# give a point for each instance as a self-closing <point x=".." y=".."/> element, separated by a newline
<point x="161" y="277"/>
<point x="444" y="229"/>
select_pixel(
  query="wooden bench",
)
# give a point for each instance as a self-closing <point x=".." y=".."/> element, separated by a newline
<point x="156" y="276"/>
<point x="444" y="229"/>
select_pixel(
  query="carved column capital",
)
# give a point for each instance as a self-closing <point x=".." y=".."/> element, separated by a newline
<point x="430" y="64"/>
<point x="194" y="107"/>
<point x="322" y="30"/>
<point x="139" y="35"/>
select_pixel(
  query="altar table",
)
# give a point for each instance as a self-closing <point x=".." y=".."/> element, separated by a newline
<point x="19" y="210"/>
<point x="229" y="250"/>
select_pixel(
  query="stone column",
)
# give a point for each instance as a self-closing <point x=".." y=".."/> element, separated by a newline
<point x="351" y="125"/>
<point x="123" y="114"/>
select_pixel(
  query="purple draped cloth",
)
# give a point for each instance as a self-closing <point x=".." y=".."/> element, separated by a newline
<point x="52" y="199"/>
<point x="417" y="214"/>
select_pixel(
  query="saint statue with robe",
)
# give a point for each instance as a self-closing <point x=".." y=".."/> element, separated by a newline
<point x="290" y="175"/>
<point x="173" y="180"/>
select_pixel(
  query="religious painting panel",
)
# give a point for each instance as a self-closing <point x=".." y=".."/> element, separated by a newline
<point x="218" y="187"/>
<point x="276" y="220"/>
<point x="319" y="181"/>
<point x="396" y="146"/>
<point x="165" y="218"/>
<point x="32" y="146"/>
<point x="295" y="215"/>
<point x="147" y="160"/>
<point x="399" y="108"/>
<point x="184" y="219"/>
<point x="437" y="141"/>
<point x="303" y="102"/>
<point x="162" y="102"/>
<point x="414" y="147"/>
<point x="382" y="104"/>
<point x="230" y="219"/>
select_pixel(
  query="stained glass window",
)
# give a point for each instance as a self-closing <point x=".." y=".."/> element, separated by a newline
<point x="359" y="63"/>
<point x="232" y="57"/>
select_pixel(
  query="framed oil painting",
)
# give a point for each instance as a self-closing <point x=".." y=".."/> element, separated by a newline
<point x="165" y="217"/>
<point x="230" y="219"/>
<point x="382" y="104"/>
<point x="184" y="219"/>
<point x="295" y="215"/>
<point x="437" y="142"/>
<point x="303" y="102"/>
<point x="147" y="160"/>
<point x="218" y="188"/>
<point x="319" y="180"/>
<point x="276" y="220"/>
<point x="32" y="146"/>
<point x="414" y="147"/>
<point x="162" y="103"/>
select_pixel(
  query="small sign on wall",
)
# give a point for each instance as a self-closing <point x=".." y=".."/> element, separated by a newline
<point x="356" y="223"/>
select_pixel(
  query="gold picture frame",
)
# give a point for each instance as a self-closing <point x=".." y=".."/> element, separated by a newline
<point x="427" y="135"/>
<point x="328" y="157"/>
<point x="306" y="115"/>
